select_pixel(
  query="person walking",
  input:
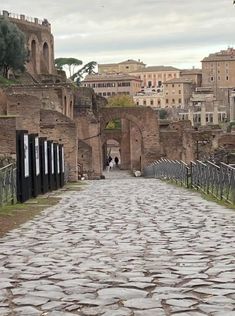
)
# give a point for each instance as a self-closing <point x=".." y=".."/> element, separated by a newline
<point x="111" y="165"/>
<point x="116" y="161"/>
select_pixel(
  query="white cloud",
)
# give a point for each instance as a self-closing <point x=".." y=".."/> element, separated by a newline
<point x="169" y="32"/>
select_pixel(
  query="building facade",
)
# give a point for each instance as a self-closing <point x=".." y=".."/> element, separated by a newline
<point x="127" y="66"/>
<point x="154" y="76"/>
<point x="108" y="85"/>
<point x="177" y="92"/>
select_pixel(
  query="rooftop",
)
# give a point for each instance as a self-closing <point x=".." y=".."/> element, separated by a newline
<point x="157" y="68"/>
<point x="109" y="76"/>
<point x="193" y="71"/>
<point x="228" y="54"/>
<point x="179" y="80"/>
<point x="128" y="61"/>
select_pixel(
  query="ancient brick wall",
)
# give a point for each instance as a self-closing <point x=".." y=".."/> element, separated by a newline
<point x="85" y="158"/>
<point x="7" y="137"/>
<point x="53" y="97"/>
<point x="146" y="120"/>
<point x="227" y="141"/>
<point x="3" y="103"/>
<point x="40" y="42"/>
<point x="55" y="126"/>
<point x="27" y="110"/>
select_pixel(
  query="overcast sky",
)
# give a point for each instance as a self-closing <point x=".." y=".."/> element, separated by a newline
<point x="158" y="32"/>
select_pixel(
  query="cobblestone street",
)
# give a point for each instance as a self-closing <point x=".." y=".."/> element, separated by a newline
<point x="122" y="247"/>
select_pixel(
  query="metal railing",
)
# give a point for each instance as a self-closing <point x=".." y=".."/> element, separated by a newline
<point x="8" y="185"/>
<point x="207" y="177"/>
<point x="175" y="170"/>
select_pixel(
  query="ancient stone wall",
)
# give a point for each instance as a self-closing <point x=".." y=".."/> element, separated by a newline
<point x="40" y="43"/>
<point x="85" y="159"/>
<point x="227" y="141"/>
<point x="55" y="126"/>
<point x="53" y="97"/>
<point x="27" y="110"/>
<point x="7" y="137"/>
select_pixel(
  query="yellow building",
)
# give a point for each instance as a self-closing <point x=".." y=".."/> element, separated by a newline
<point x="107" y="85"/>
<point x="154" y="76"/>
<point x="177" y="92"/>
<point x="218" y="69"/>
<point x="127" y="66"/>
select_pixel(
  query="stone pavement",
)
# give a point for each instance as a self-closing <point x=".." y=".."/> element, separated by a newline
<point x="122" y="247"/>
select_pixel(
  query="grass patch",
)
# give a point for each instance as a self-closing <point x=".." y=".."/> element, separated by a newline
<point x="208" y="197"/>
<point x="11" y="216"/>
<point x="7" y="82"/>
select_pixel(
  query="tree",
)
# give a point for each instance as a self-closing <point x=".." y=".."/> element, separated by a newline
<point x="88" y="68"/>
<point x="162" y="114"/>
<point x="121" y="100"/>
<point x="13" y="52"/>
<point x="70" y="62"/>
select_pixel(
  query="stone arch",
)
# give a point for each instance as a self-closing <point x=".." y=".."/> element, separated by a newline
<point x="146" y="121"/>
<point x="45" y="58"/>
<point x="34" y="64"/>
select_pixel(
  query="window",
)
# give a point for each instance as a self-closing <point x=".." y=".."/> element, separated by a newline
<point x="167" y="101"/>
<point x="144" y="102"/>
<point x="180" y="101"/>
<point x="104" y="94"/>
<point x="227" y="78"/>
<point x="151" y="102"/>
<point x="212" y="78"/>
<point x="158" y="102"/>
<point x="173" y="101"/>
<point x="173" y="85"/>
<point x="219" y="78"/>
<point x="179" y="91"/>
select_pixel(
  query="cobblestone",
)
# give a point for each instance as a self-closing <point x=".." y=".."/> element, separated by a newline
<point x="122" y="247"/>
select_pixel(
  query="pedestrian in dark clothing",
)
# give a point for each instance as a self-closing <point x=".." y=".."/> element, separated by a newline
<point x="116" y="160"/>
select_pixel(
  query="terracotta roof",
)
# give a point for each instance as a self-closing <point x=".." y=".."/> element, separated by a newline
<point x="157" y="68"/>
<point x="191" y="71"/>
<point x="223" y="55"/>
<point x="111" y="77"/>
<point x="131" y="61"/>
<point x="179" y="80"/>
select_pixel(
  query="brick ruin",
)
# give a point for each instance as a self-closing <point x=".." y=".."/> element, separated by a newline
<point x="51" y="107"/>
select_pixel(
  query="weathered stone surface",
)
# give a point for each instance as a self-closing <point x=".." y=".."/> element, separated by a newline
<point x="121" y="247"/>
<point x="142" y="303"/>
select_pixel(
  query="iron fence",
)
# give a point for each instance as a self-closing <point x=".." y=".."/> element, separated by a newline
<point x="217" y="180"/>
<point x="175" y="170"/>
<point x="8" y="185"/>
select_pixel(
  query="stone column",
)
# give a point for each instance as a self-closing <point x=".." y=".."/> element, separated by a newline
<point x="232" y="107"/>
<point x="125" y="145"/>
<point x="215" y="114"/>
<point x="203" y="114"/>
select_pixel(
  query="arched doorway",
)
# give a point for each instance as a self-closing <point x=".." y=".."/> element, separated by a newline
<point x="45" y="53"/>
<point x="34" y="54"/>
<point x="139" y="135"/>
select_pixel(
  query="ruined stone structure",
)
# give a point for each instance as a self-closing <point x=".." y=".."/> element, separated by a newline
<point x="26" y="112"/>
<point x="77" y="118"/>
<point x="39" y="40"/>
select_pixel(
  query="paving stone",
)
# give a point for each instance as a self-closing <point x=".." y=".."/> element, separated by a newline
<point x="122" y="241"/>
<point x="150" y="312"/>
<point x="26" y="311"/>
<point x="122" y="293"/>
<point x="142" y="303"/>
<point x="30" y="300"/>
